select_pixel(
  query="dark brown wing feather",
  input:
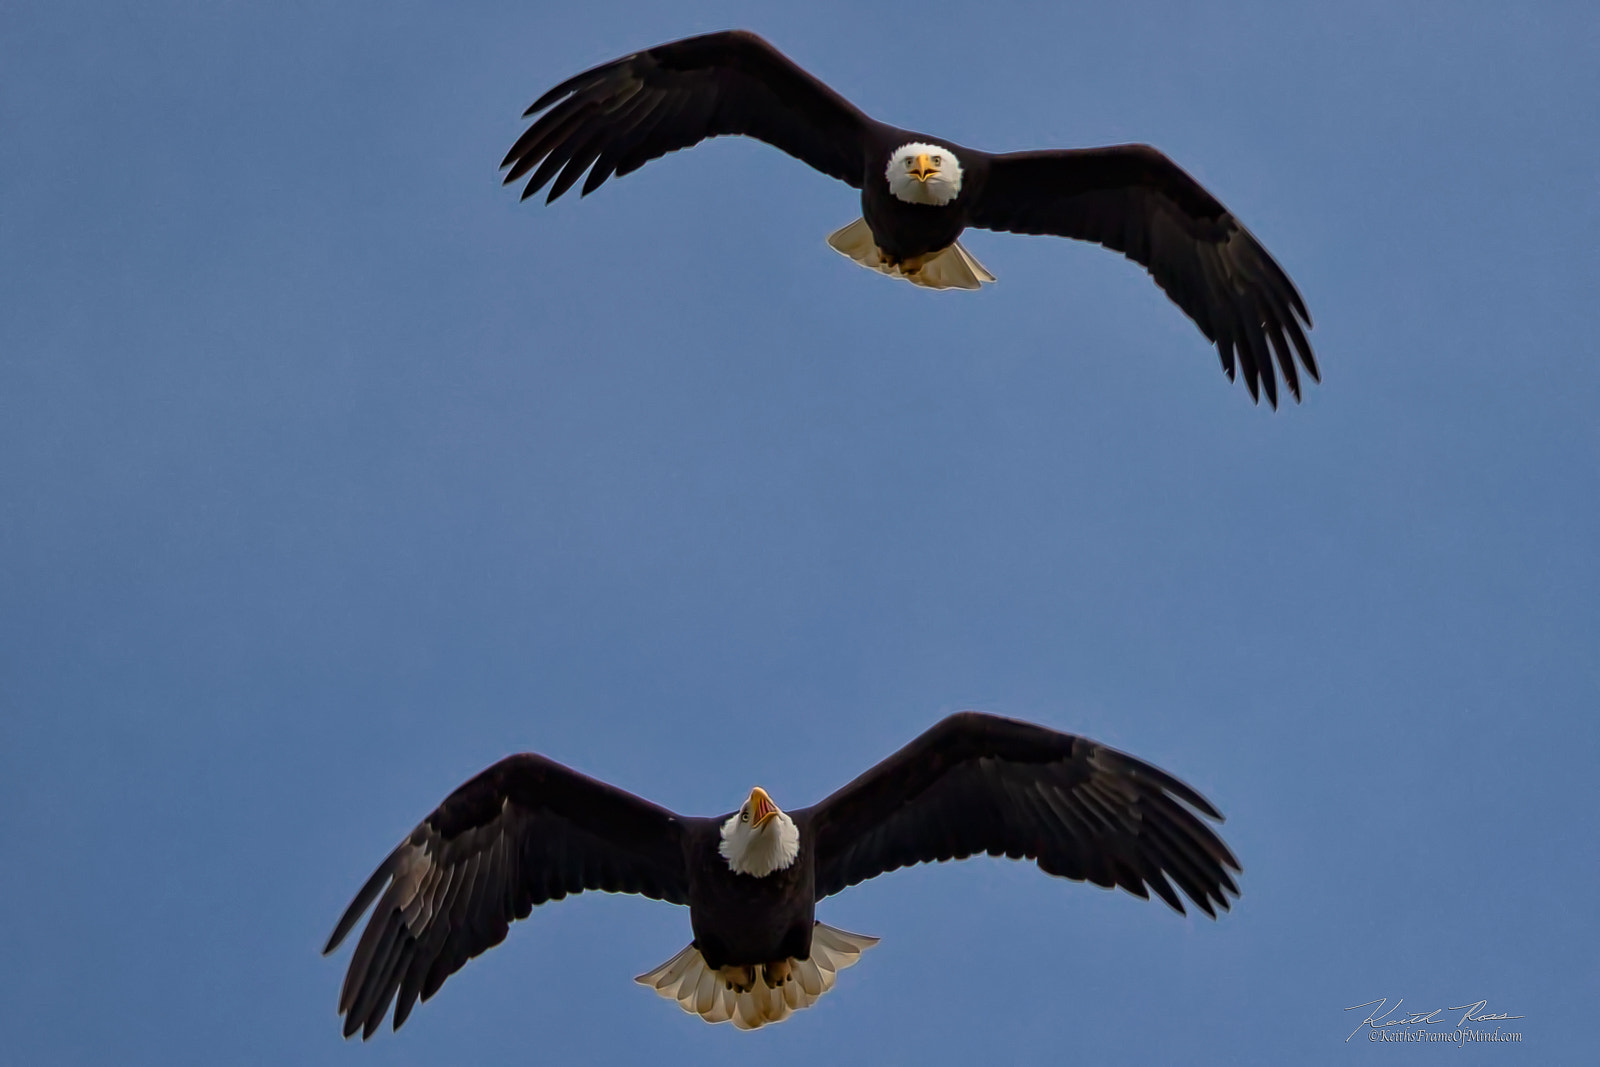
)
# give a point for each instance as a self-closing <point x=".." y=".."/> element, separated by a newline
<point x="977" y="783"/>
<point x="623" y="114"/>
<point x="525" y="831"/>
<point x="1134" y="200"/>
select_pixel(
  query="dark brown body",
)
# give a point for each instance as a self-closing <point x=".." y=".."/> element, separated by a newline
<point x="739" y="919"/>
<point x="906" y="231"/>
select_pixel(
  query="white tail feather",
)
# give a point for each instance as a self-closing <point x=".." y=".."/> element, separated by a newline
<point x="716" y="996"/>
<point x="951" y="268"/>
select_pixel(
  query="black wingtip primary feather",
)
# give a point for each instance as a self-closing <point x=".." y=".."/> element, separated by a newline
<point x="362" y="901"/>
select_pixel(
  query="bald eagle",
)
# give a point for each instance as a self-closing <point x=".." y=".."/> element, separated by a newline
<point x="918" y="193"/>
<point x="528" y="830"/>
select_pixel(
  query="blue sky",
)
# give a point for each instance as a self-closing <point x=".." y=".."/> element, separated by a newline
<point x="331" y="474"/>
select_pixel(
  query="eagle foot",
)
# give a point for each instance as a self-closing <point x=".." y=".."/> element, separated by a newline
<point x="778" y="973"/>
<point x="741" y="978"/>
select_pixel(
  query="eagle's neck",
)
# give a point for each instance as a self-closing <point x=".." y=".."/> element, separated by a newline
<point x="758" y="851"/>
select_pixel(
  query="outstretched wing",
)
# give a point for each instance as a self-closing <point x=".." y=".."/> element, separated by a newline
<point x="623" y="114"/>
<point x="977" y="783"/>
<point x="525" y="831"/>
<point x="1134" y="200"/>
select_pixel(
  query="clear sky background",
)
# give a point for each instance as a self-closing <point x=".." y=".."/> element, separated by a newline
<point x="330" y="474"/>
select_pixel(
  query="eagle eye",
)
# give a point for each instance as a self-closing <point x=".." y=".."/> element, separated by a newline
<point x="938" y="161"/>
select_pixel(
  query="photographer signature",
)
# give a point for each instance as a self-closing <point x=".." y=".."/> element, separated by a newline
<point x="1470" y="1013"/>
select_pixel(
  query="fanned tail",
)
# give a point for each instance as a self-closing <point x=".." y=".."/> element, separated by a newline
<point x="751" y="997"/>
<point x="950" y="268"/>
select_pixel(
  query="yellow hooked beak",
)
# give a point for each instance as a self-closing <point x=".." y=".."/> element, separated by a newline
<point x="924" y="168"/>
<point x="761" y="807"/>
